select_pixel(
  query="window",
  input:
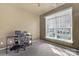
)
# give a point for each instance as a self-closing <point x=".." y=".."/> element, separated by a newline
<point x="59" y="25"/>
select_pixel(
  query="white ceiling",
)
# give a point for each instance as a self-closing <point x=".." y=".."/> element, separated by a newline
<point x="36" y="8"/>
<point x="39" y="9"/>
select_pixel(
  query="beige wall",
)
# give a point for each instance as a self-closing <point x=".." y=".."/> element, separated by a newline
<point x="13" y="18"/>
<point x="75" y="19"/>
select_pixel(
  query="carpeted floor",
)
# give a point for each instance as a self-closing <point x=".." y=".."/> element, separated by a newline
<point x="41" y="48"/>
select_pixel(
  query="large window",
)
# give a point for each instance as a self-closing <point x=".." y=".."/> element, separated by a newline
<point x="59" y="25"/>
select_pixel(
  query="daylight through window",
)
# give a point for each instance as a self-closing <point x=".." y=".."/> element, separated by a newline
<point x="59" y="25"/>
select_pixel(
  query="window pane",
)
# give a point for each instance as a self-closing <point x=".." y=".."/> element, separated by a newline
<point x="59" y="25"/>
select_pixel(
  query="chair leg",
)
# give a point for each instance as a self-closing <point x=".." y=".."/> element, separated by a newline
<point x="24" y="48"/>
<point x="17" y="50"/>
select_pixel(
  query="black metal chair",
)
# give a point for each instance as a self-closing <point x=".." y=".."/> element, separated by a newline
<point x="21" y="41"/>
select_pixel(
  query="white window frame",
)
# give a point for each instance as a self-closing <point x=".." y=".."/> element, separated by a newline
<point x="69" y="11"/>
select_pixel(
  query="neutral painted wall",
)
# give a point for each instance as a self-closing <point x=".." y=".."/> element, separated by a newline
<point x="14" y="18"/>
<point x="75" y="19"/>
